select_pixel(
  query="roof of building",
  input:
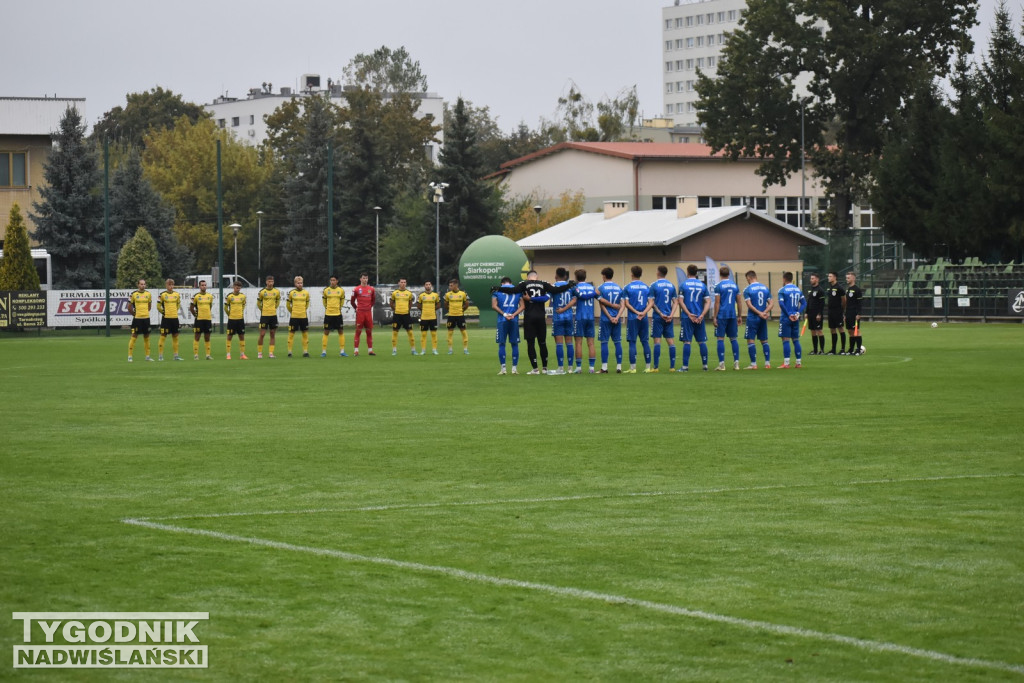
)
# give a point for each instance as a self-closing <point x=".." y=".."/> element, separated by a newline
<point x="643" y="229"/>
<point x="35" y="115"/>
<point x="623" y="150"/>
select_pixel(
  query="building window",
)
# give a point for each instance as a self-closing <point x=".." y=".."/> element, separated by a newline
<point x="679" y="107"/>
<point x="711" y="61"/>
<point x="711" y="18"/>
<point x="721" y="17"/>
<point x="668" y="109"/>
<point x="668" y="24"/>
<point x="787" y="209"/>
<point x="669" y="88"/>
<point x="868" y="219"/>
<point x="679" y="65"/>
<point x="700" y="20"/>
<point x="234" y="121"/>
<point x="221" y="122"/>
<point x="691" y="107"/>
<point x="689" y="42"/>
<point x="710" y="202"/>
<point x="689" y="65"/>
<point x="679" y="21"/>
<point x="689" y="86"/>
<point x="700" y="41"/>
<point x="252" y="119"/>
<point x="755" y="203"/>
<point x="732" y="15"/>
<point x="689" y="22"/>
<point x="668" y="67"/>
<point x="13" y="169"/>
<point x="661" y="203"/>
<point x="679" y="44"/>
<point x="680" y="86"/>
<point x="668" y="45"/>
<point x="700" y="62"/>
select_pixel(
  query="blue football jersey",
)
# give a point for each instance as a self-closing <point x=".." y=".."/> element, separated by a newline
<point x="791" y="300"/>
<point x="727" y="290"/>
<point x="636" y="293"/>
<point x="561" y="301"/>
<point x="586" y="296"/>
<point x="759" y="295"/>
<point x="663" y="292"/>
<point x="611" y="292"/>
<point x="694" y="293"/>
<point x="508" y="303"/>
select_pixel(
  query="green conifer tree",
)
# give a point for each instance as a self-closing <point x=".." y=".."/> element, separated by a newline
<point x="138" y="260"/>
<point x="17" y="271"/>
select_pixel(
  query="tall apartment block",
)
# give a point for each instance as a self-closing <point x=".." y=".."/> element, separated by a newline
<point x="693" y="33"/>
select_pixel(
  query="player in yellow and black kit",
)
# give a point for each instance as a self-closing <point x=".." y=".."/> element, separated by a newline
<point x="456" y="301"/>
<point x="401" y="303"/>
<point x="234" y="306"/>
<point x="334" y="300"/>
<point x="202" y="309"/>
<point x="139" y="302"/>
<point x="429" y="301"/>
<point x="267" y="301"/>
<point x="169" y="303"/>
<point x="298" y="306"/>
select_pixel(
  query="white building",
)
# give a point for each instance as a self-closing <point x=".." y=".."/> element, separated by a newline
<point x="247" y="117"/>
<point x="693" y="33"/>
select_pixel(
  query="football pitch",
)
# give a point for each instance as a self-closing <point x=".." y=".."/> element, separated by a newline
<point x="421" y="518"/>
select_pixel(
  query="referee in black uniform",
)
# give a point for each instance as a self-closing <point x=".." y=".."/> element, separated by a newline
<point x="854" y="296"/>
<point x="835" y="299"/>
<point x="815" y="295"/>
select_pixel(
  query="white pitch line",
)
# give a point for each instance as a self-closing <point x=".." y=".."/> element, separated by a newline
<point x="594" y="496"/>
<point x="583" y="594"/>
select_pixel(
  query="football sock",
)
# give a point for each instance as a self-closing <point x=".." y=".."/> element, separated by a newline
<point x="797" y="349"/>
<point x="145" y="342"/>
<point x="752" y="351"/>
<point x="842" y="339"/>
<point x="785" y="350"/>
<point x="465" y="339"/>
<point x="657" y="355"/>
<point x="305" y="341"/>
<point x="341" y="341"/>
<point x="686" y="355"/>
<point x="703" y="354"/>
<point x="767" y="352"/>
<point x="160" y="345"/>
<point x="195" y="347"/>
<point x="433" y="340"/>
<point x="323" y="343"/>
<point x="207" y="344"/>
<point x="131" y="346"/>
<point x="175" y="346"/>
<point x="672" y="356"/>
<point x="241" y="345"/>
<point x="721" y="350"/>
<point x="834" y="338"/>
<point x="735" y="350"/>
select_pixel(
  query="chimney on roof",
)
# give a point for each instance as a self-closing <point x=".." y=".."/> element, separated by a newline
<point x="686" y="206"/>
<point x="615" y="208"/>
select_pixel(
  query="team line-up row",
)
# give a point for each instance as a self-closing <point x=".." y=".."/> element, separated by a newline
<point x="297" y="301"/>
<point x="576" y="303"/>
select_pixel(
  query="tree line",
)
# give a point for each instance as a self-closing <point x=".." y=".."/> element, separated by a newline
<point x="860" y="90"/>
<point x="162" y="184"/>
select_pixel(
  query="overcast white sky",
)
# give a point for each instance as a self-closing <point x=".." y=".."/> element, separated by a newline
<point x="517" y="56"/>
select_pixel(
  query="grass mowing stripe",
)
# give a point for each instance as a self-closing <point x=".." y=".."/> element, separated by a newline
<point x="583" y="594"/>
<point x="596" y="496"/>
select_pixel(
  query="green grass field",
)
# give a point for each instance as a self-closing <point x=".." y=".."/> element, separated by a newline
<point x="424" y="519"/>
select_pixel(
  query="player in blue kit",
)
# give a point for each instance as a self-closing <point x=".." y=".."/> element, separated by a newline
<point x="584" y="295"/>
<point x="759" y="305"/>
<point x="508" y="307"/>
<point x="663" y="305"/>
<point x="634" y="296"/>
<point x="610" y="300"/>
<point x="725" y="315"/>
<point x="562" y="323"/>
<point x="694" y="302"/>
<point x="792" y="303"/>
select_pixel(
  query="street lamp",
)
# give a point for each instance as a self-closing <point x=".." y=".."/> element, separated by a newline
<point x="259" y="245"/>
<point x="236" y="227"/>
<point x="537" y="209"/>
<point x="438" y="200"/>
<point x="376" y="272"/>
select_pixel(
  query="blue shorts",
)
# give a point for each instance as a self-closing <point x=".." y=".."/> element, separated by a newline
<point x="584" y="328"/>
<point x="692" y="330"/>
<point x="508" y="331"/>
<point x="611" y="332"/>
<point x="637" y="329"/>
<point x="662" y="328"/>
<point x="562" y="328"/>
<point x="789" y="329"/>
<point x="726" y="327"/>
<point x="757" y="328"/>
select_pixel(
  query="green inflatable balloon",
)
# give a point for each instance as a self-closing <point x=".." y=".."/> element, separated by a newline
<point x="482" y="266"/>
